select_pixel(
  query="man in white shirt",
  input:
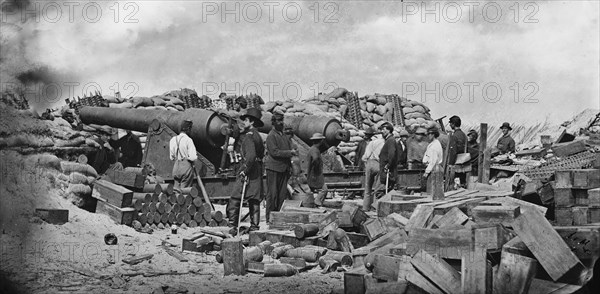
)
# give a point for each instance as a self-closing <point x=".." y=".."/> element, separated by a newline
<point x="183" y="152"/>
<point x="371" y="159"/>
<point x="433" y="159"/>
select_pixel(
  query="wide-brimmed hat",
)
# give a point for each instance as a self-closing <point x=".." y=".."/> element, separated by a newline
<point x="369" y="132"/>
<point x="254" y="115"/>
<point x="474" y="133"/>
<point x="404" y="133"/>
<point x="506" y="126"/>
<point x="317" y="136"/>
<point x="386" y="125"/>
<point x="421" y="131"/>
<point x="433" y="130"/>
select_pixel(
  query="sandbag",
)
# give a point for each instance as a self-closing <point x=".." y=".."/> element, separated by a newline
<point x="46" y="160"/>
<point x="389" y="106"/>
<point x="176" y="101"/>
<point x="172" y="109"/>
<point x="356" y="139"/>
<point x="80" y="190"/>
<point x="288" y="105"/>
<point x="92" y="143"/>
<point x="408" y="110"/>
<point x="381" y="100"/>
<point x="79" y="178"/>
<point x="337" y="93"/>
<point x="377" y="117"/>
<point x="161" y="108"/>
<point x="363" y="105"/>
<point x="158" y="101"/>
<point x="70" y="143"/>
<point x="341" y="101"/>
<point x="279" y="109"/>
<point x="371" y="106"/>
<point x="381" y="110"/>
<point x="179" y="107"/>
<point x="415" y="115"/>
<point x="323" y="108"/>
<point x="141" y="101"/>
<point x="348" y="126"/>
<point x="68" y="167"/>
<point x="120" y="105"/>
<point x="269" y="106"/>
<point x="419" y="108"/>
<point x="372" y="99"/>
<point x="343" y="109"/>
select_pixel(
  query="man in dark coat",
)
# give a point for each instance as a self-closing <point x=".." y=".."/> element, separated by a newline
<point x="314" y="172"/>
<point x="473" y="149"/>
<point x="277" y="165"/>
<point x="249" y="173"/>
<point x="506" y="143"/>
<point x="403" y="150"/>
<point x="361" y="147"/>
<point x="458" y="140"/>
<point x="388" y="158"/>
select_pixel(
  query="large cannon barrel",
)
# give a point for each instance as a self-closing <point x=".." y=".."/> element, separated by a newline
<point x="207" y="129"/>
<point x="305" y="126"/>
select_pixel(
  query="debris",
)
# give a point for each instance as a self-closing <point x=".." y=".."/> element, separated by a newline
<point x="137" y="259"/>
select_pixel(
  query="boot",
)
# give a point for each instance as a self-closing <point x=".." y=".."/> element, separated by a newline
<point x="233" y="213"/>
<point x="254" y="206"/>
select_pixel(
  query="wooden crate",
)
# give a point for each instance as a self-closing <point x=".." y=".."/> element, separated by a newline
<point x="122" y="216"/>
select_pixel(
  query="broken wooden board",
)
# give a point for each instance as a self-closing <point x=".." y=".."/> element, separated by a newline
<point x="122" y="216"/>
<point x="357" y="215"/>
<point x="502" y="214"/>
<point x="112" y="193"/>
<point x="387" y="207"/>
<point x="453" y="217"/>
<point x="53" y="216"/>
<point x="493" y="236"/>
<point x="476" y="271"/>
<point x="464" y="205"/>
<point x="397" y="219"/>
<point x="285" y="220"/>
<point x="385" y="267"/>
<point x="423" y="284"/>
<point x="438" y="271"/>
<point x="546" y="244"/>
<point x="354" y="281"/>
<point x="539" y="286"/>
<point x="524" y="205"/>
<point x="288" y="237"/>
<point x="584" y="241"/>
<point x="444" y="243"/>
<point x="137" y="259"/>
<point x="420" y="217"/>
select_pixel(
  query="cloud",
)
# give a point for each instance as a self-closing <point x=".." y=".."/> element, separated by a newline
<point x="369" y="47"/>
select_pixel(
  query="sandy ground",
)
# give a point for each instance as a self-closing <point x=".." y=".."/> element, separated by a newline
<point x="38" y="257"/>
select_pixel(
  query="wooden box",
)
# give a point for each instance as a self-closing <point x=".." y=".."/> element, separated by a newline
<point x="122" y="216"/>
<point x="112" y="193"/>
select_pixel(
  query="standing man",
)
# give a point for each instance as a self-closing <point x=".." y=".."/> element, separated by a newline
<point x="388" y="158"/>
<point x="278" y="165"/>
<point x="360" y="149"/>
<point x="130" y="149"/>
<point x="417" y="149"/>
<point x="458" y="140"/>
<point x="371" y="159"/>
<point x="433" y="155"/>
<point x="183" y="152"/>
<point x="473" y="149"/>
<point x="250" y="172"/>
<point x="314" y="173"/>
<point x="403" y="150"/>
<point x="506" y="143"/>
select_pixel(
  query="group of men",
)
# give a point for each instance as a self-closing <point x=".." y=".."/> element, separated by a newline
<point x="380" y="154"/>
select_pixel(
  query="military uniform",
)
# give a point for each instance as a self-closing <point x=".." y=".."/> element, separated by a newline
<point x="252" y="150"/>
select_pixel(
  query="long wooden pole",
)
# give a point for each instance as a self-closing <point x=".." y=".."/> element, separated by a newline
<point x="484" y="176"/>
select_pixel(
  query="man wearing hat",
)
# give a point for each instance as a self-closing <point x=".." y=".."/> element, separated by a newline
<point x="402" y="149"/>
<point x="183" y="152"/>
<point x="314" y="172"/>
<point x="129" y="149"/>
<point x="371" y="160"/>
<point x="388" y="158"/>
<point x="361" y="147"/>
<point x="277" y="165"/>
<point x="506" y="143"/>
<point x="458" y="140"/>
<point x="433" y="155"/>
<point x="251" y="148"/>
<point x="473" y="149"/>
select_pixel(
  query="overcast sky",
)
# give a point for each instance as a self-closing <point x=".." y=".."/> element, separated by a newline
<point x="544" y="56"/>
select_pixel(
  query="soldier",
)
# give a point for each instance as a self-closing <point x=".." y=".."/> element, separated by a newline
<point x="473" y="149"/>
<point x="388" y="158"/>
<point x="249" y="173"/>
<point x="506" y="143"/>
<point x="371" y="159"/>
<point x="361" y="147"/>
<point x="130" y="149"/>
<point x="183" y="152"/>
<point x="434" y="154"/>
<point x="316" y="180"/>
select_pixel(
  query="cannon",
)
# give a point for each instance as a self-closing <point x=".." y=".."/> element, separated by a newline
<point x="209" y="130"/>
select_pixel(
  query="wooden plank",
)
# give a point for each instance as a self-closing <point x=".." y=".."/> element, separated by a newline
<point x="376" y="287"/>
<point x="545" y="243"/>
<point x="492" y="236"/>
<point x="444" y="243"/>
<point x="476" y="271"/>
<point x="233" y="257"/>
<point x="568" y="148"/>
<point x="357" y="215"/>
<point x="112" y="193"/>
<point x="464" y="205"/>
<point x="137" y="259"/>
<point x="583" y="241"/>
<point x="53" y="216"/>
<point x="483" y="176"/>
<point x="397" y="219"/>
<point x="517" y="246"/>
<point x="284" y="218"/>
<point x="563" y="216"/>
<point x="387" y="207"/>
<point x="345" y="219"/>
<point x="503" y="214"/>
<point x="525" y="206"/>
<point x="290" y="203"/>
<point x="438" y="271"/>
<point x="452" y="218"/>
<point x="374" y="228"/>
<point x="418" y="280"/>
<point x="420" y="217"/>
<point x="128" y="179"/>
<point x="122" y="216"/>
<point x="515" y="273"/>
<point x="539" y="286"/>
